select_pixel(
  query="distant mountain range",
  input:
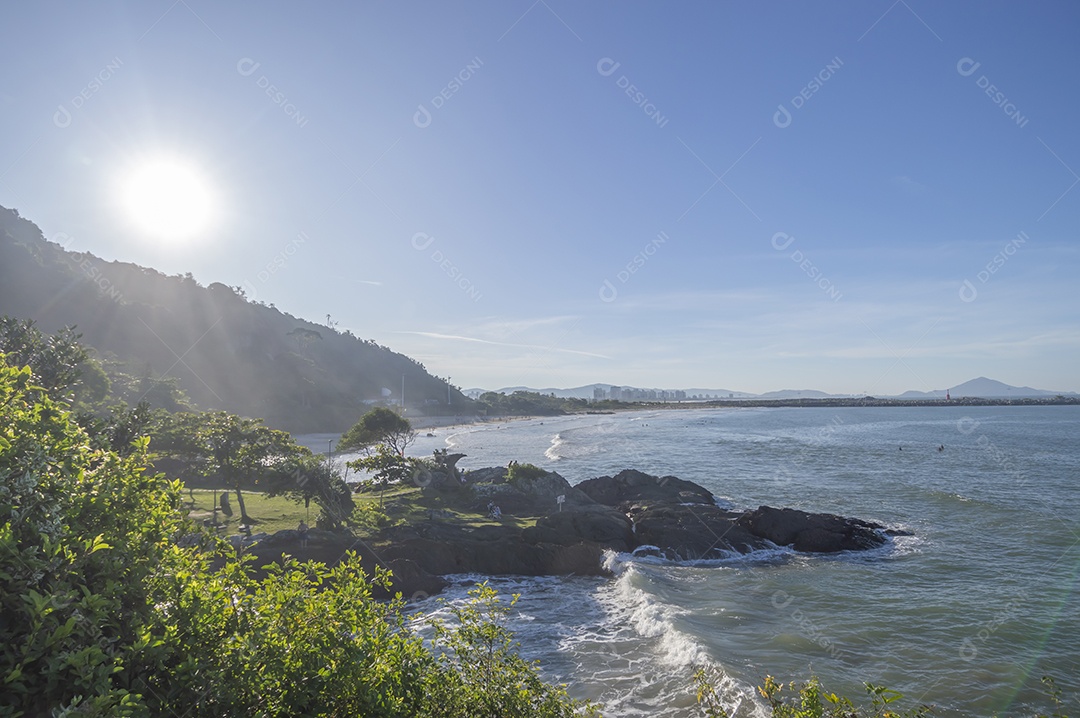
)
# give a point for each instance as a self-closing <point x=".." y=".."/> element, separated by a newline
<point x="588" y="391"/>
<point x="981" y="388"/>
<point x="984" y="388"/>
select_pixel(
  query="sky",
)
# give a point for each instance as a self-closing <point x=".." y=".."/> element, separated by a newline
<point x="857" y="198"/>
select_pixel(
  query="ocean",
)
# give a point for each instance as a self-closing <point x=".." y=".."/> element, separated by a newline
<point x="967" y="614"/>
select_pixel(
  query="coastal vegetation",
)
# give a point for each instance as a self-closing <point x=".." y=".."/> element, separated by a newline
<point x="115" y="602"/>
<point x="531" y="403"/>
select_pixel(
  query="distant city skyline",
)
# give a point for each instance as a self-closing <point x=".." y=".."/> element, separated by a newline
<point x="855" y="198"/>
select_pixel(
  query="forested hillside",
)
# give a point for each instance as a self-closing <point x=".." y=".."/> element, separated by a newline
<point x="224" y="351"/>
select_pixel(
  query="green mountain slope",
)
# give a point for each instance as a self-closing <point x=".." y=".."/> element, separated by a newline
<point x="225" y="351"/>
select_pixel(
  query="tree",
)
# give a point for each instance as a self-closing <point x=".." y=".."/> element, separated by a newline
<point x="243" y="452"/>
<point x="379" y="426"/>
<point x="386" y="466"/>
<point x="239" y="452"/>
<point x="83" y="533"/>
<point x="311" y="478"/>
<point x="57" y="362"/>
<point x="303" y="337"/>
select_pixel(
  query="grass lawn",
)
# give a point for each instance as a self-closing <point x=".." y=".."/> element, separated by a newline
<point x="407" y="504"/>
<point x="271" y="514"/>
<point x="401" y="504"/>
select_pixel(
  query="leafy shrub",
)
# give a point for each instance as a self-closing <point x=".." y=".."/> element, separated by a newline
<point x="517" y="473"/>
<point x="111" y="604"/>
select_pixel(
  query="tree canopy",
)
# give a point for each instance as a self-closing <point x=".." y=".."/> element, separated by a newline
<point x="379" y="426"/>
<point x="114" y="604"/>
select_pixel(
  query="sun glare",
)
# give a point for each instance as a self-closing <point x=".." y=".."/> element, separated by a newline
<point x="167" y="198"/>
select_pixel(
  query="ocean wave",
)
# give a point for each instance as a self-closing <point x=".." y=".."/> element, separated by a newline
<point x="552" y="452"/>
<point x="642" y="623"/>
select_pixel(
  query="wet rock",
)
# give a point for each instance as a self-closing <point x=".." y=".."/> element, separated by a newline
<point x="601" y="525"/>
<point x="692" y="531"/>
<point x="812" y="533"/>
<point x="329" y="547"/>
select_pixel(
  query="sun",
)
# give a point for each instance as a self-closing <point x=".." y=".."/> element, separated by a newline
<point x="168" y="198"/>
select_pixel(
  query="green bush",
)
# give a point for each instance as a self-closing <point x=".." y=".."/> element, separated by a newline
<point x="112" y="604"/>
<point x="517" y="473"/>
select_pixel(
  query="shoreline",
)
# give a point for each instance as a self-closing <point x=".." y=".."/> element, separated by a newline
<point x="460" y="420"/>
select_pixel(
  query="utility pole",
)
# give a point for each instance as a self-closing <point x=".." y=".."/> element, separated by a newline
<point x="402" y="393"/>
<point x="448" y="391"/>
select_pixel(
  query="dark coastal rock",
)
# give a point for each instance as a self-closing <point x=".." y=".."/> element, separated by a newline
<point x="812" y="533"/>
<point x="630" y="487"/>
<point x="632" y="511"/>
<point x="692" y="531"/>
<point x="507" y="554"/>
<point x="486" y="475"/>
<point x="330" y="547"/>
<point x="529" y="496"/>
<point x="602" y="525"/>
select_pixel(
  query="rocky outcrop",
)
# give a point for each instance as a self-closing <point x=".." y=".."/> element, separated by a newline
<point x="535" y="496"/>
<point x="812" y="533"/>
<point x="602" y="525"/>
<point x="631" y="511"/>
<point x="689" y="532"/>
<point x="329" y="547"/>
<point x="631" y="487"/>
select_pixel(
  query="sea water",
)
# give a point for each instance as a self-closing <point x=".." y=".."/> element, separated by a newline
<point x="966" y="615"/>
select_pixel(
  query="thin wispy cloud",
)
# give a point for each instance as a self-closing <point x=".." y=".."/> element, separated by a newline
<point x="476" y="340"/>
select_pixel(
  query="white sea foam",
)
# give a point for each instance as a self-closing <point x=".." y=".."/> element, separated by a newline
<point x="553" y="450"/>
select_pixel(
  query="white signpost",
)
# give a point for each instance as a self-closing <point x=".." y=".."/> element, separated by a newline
<point x="560" y="499"/>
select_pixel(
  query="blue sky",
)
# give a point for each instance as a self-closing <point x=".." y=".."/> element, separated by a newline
<point x="853" y="197"/>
